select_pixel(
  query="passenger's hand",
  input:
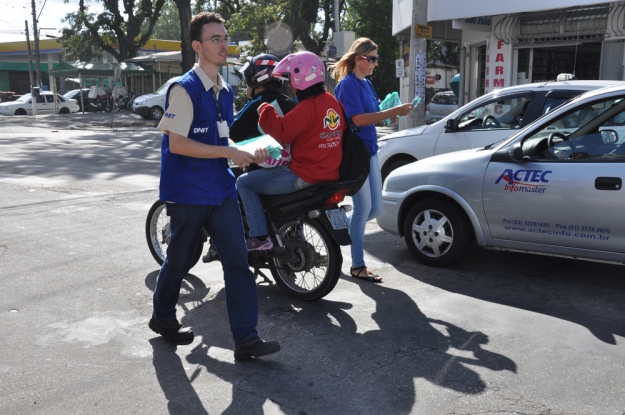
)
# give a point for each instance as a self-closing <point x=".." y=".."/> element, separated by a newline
<point x="240" y="158"/>
<point x="261" y="155"/>
<point x="404" y="109"/>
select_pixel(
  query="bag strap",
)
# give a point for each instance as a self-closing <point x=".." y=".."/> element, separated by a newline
<point x="350" y="125"/>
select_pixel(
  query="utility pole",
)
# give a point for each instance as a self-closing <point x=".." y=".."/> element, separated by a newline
<point x="36" y="35"/>
<point x="30" y="71"/>
<point x="418" y="59"/>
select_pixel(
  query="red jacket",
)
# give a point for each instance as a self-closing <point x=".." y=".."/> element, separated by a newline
<point x="315" y="129"/>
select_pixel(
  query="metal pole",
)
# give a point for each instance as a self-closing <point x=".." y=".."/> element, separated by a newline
<point x="418" y="54"/>
<point x="463" y="60"/>
<point x="30" y="71"/>
<point x="36" y="35"/>
<point x="336" y="16"/>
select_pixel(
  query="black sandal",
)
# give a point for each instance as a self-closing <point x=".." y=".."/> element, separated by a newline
<point x="367" y="277"/>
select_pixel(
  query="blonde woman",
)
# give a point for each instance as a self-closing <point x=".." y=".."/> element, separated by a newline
<point x="360" y="101"/>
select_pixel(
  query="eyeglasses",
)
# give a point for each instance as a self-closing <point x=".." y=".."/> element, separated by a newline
<point x="217" y="40"/>
<point x="371" y="59"/>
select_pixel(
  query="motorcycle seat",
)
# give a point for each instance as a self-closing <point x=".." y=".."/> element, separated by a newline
<point x="328" y="188"/>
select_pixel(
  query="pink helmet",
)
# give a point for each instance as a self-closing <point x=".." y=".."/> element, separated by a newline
<point x="304" y="69"/>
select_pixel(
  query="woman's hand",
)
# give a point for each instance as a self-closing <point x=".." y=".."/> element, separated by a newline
<point x="403" y="109"/>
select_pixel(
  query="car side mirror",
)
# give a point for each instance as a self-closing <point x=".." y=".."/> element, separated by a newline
<point x="506" y="155"/>
<point x="450" y="125"/>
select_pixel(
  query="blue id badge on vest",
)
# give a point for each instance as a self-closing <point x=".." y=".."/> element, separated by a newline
<point x="222" y="128"/>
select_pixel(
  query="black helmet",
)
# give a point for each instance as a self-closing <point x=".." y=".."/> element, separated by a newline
<point x="258" y="71"/>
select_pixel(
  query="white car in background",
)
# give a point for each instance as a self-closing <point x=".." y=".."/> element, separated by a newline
<point x="485" y="120"/>
<point x="152" y="106"/>
<point x="441" y="105"/>
<point x="45" y="105"/>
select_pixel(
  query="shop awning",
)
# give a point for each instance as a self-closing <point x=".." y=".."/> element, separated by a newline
<point x="99" y="69"/>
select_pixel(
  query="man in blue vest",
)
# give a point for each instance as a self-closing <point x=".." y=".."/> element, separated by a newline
<point x="200" y="191"/>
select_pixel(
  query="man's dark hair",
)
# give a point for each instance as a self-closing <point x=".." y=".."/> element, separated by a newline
<point x="199" y="20"/>
<point x="311" y="91"/>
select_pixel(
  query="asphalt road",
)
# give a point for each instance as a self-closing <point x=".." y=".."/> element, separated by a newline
<point x="500" y="333"/>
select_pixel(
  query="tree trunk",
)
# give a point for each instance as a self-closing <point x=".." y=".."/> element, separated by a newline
<point x="188" y="54"/>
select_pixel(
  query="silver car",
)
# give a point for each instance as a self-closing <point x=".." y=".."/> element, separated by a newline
<point x="553" y="188"/>
<point x="487" y="119"/>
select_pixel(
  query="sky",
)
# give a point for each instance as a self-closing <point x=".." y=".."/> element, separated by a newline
<point x="13" y="13"/>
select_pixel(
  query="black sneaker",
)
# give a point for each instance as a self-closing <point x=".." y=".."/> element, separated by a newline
<point x="255" y="348"/>
<point x="175" y="333"/>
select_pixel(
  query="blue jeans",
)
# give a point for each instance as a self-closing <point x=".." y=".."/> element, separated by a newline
<point x="225" y="227"/>
<point x="367" y="206"/>
<point x="274" y="181"/>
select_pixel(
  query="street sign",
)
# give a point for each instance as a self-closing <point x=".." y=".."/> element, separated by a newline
<point x="421" y="31"/>
<point x="399" y="68"/>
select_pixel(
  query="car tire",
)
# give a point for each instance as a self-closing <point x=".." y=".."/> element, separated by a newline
<point x="437" y="232"/>
<point x="20" y="111"/>
<point x="64" y="110"/>
<point x="156" y="113"/>
<point x="395" y="165"/>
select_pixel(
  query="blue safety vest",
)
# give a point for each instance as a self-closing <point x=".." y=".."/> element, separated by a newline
<point x="193" y="180"/>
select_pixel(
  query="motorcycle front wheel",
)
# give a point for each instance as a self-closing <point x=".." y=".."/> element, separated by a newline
<point x="318" y="266"/>
<point x="157" y="234"/>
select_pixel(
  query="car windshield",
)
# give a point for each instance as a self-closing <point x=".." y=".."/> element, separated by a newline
<point x="70" y="93"/>
<point x="23" y="98"/>
<point x="165" y="86"/>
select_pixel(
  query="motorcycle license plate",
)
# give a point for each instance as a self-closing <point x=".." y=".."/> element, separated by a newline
<point x="337" y="218"/>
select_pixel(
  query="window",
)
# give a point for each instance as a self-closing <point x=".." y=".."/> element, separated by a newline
<point x="503" y="113"/>
<point x="595" y="132"/>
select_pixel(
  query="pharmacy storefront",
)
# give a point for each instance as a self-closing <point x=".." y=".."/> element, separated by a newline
<point x="512" y="43"/>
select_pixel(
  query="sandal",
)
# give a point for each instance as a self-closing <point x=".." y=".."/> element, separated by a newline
<point x="368" y="275"/>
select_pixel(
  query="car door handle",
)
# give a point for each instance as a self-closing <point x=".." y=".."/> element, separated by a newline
<point x="608" y="183"/>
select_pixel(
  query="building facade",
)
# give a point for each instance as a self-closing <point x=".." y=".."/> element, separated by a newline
<point x="511" y="43"/>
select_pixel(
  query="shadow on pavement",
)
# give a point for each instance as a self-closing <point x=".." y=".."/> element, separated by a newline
<point x="329" y="363"/>
<point x="586" y="293"/>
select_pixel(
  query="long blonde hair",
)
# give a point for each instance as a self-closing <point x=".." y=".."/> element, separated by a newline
<point x="360" y="47"/>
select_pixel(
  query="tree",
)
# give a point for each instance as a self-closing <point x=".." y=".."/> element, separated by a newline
<point x="357" y="18"/>
<point x="77" y="44"/>
<point x="120" y="36"/>
<point x="168" y="25"/>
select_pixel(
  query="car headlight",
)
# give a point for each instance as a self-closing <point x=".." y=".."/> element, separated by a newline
<point x="140" y="101"/>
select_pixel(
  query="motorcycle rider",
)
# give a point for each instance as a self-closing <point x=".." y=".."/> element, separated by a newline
<point x="314" y="129"/>
<point x="261" y="88"/>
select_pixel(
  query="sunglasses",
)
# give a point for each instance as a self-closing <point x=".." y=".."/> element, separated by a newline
<point x="371" y="59"/>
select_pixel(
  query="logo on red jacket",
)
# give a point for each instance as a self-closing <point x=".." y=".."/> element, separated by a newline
<point x="332" y="120"/>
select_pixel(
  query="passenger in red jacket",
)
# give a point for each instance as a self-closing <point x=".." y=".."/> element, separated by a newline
<point x="314" y="128"/>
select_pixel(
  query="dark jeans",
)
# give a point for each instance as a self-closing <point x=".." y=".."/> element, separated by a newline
<point x="225" y="227"/>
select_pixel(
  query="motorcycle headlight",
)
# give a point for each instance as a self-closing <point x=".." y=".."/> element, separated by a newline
<point x="140" y="101"/>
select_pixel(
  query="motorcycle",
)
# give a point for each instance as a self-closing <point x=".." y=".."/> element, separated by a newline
<point x="102" y="102"/>
<point x="124" y="101"/>
<point x="307" y="227"/>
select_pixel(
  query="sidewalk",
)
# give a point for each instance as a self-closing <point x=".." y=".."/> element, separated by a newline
<point x="79" y="121"/>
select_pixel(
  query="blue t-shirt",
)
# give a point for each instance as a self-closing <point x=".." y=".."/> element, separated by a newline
<point x="358" y="97"/>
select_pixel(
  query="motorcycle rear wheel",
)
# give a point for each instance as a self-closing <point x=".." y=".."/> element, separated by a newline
<point x="318" y="269"/>
<point x="157" y="234"/>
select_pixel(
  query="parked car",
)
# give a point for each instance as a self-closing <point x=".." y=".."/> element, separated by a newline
<point x="441" y="105"/>
<point x="554" y="188"/>
<point x="152" y="106"/>
<point x="75" y="94"/>
<point x="45" y="105"/>
<point x="483" y="121"/>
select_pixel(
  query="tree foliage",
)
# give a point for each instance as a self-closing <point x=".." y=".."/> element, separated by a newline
<point x="168" y="25"/>
<point x="77" y="45"/>
<point x="358" y="18"/>
<point x="120" y="32"/>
